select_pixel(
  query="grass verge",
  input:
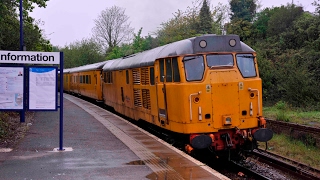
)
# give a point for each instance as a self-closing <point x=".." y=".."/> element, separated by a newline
<point x="283" y="112"/>
<point x="11" y="129"/>
<point x="294" y="149"/>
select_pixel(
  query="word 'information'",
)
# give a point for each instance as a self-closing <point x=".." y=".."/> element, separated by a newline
<point x="29" y="57"/>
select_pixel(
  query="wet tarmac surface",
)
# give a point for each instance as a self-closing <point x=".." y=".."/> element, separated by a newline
<point x="102" y="146"/>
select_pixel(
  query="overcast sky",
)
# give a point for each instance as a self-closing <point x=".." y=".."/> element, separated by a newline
<point x="66" y="21"/>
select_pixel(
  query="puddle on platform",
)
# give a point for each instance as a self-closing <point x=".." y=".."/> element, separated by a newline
<point x="165" y="175"/>
<point x="152" y="176"/>
<point x="5" y="150"/>
<point x="138" y="162"/>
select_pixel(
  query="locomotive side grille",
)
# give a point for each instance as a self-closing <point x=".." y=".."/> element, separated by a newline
<point x="145" y="76"/>
<point x="137" y="97"/>
<point x="146" y="98"/>
<point x="136" y="76"/>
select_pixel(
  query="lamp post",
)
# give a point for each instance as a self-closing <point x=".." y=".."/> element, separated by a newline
<point x="21" y="26"/>
<point x="22" y="112"/>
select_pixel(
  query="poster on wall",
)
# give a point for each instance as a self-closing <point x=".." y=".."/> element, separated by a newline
<point x="11" y="88"/>
<point x="42" y="88"/>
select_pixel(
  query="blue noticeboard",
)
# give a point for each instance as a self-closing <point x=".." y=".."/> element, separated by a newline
<point x="43" y="88"/>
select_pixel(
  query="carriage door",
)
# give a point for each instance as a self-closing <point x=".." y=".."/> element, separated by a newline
<point x="161" y="94"/>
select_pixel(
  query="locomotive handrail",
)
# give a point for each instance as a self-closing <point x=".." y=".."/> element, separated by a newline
<point x="190" y="102"/>
<point x="251" y="90"/>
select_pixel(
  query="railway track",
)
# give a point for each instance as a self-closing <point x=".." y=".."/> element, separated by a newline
<point x="290" y="167"/>
<point x="308" y="134"/>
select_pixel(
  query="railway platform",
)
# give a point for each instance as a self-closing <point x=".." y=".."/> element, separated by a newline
<point x="98" y="145"/>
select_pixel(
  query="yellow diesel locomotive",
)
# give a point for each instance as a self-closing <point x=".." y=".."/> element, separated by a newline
<point x="205" y="88"/>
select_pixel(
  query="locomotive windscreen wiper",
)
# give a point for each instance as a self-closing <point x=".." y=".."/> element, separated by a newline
<point x="188" y="59"/>
<point x="246" y="56"/>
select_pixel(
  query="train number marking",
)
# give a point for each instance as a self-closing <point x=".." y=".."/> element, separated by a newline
<point x="208" y="88"/>
<point x="240" y="85"/>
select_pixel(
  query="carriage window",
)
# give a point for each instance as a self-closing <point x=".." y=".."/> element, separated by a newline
<point x="194" y="67"/>
<point x="161" y="61"/>
<point x="152" y="76"/>
<point x="218" y="60"/>
<point x="176" y="75"/>
<point x="80" y="79"/>
<point x="246" y="65"/>
<point x="107" y="77"/>
<point x="168" y="70"/>
<point x="87" y="79"/>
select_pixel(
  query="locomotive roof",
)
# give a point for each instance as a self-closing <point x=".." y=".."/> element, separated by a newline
<point x="88" y="67"/>
<point x="214" y="43"/>
<point x="66" y="70"/>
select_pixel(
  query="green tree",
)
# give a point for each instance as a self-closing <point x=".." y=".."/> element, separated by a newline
<point x="138" y="44"/>
<point x="241" y="27"/>
<point x="183" y="25"/>
<point x="282" y="19"/>
<point x="10" y="26"/>
<point x="187" y="24"/>
<point x="83" y="52"/>
<point x="243" y="9"/>
<point x="261" y="23"/>
<point x="205" y="23"/>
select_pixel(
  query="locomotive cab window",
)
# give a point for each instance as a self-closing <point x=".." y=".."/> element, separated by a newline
<point x="220" y="60"/>
<point x="176" y="74"/>
<point x="246" y="65"/>
<point x="194" y="67"/>
<point x="161" y="61"/>
<point x="169" y="70"/>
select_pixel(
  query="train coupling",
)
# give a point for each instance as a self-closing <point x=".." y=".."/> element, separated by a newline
<point x="227" y="139"/>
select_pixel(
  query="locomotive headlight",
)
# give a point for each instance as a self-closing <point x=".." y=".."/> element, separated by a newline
<point x="203" y="43"/>
<point x="232" y="42"/>
<point x="227" y="120"/>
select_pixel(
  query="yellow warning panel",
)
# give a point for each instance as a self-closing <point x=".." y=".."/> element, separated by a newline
<point x="240" y="85"/>
<point x="208" y="88"/>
